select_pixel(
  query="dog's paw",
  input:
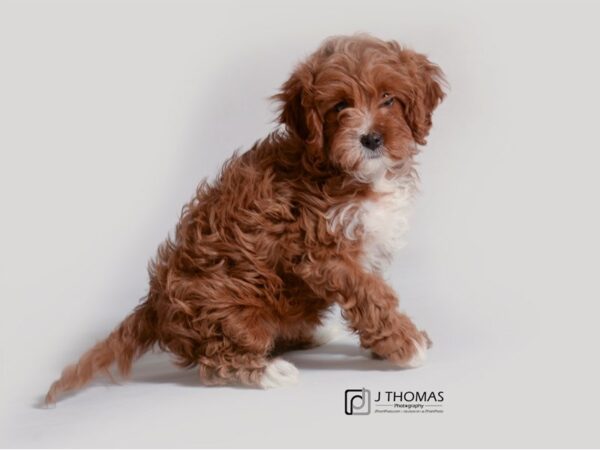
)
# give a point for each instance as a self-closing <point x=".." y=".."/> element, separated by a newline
<point x="325" y="334"/>
<point x="279" y="373"/>
<point x="409" y="353"/>
<point x="426" y="339"/>
<point x="418" y="355"/>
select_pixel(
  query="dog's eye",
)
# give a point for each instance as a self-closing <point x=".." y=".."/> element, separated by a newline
<point x="388" y="100"/>
<point x="341" y="105"/>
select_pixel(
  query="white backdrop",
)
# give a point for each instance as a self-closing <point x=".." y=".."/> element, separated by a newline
<point x="112" y="112"/>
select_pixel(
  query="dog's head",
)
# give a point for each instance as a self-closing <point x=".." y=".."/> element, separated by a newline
<point x="361" y="104"/>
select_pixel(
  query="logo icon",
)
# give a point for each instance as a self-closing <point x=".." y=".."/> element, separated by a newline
<point x="358" y="402"/>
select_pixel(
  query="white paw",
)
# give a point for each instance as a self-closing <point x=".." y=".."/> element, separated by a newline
<point x="325" y="334"/>
<point x="419" y="357"/>
<point x="279" y="373"/>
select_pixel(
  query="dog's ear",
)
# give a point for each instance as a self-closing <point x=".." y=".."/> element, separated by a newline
<point x="424" y="93"/>
<point x="298" y="111"/>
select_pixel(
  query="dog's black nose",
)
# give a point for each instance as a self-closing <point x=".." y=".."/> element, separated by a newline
<point x="372" y="140"/>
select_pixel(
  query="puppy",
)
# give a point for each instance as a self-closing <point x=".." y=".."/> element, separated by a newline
<point x="308" y="217"/>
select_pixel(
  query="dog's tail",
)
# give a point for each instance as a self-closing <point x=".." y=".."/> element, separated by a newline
<point x="130" y="340"/>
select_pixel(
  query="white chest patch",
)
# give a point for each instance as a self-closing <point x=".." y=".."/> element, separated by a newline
<point x="381" y="224"/>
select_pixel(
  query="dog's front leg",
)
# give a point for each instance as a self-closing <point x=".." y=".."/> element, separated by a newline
<point x="369" y="305"/>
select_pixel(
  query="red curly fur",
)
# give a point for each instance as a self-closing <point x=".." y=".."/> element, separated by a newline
<point x="255" y="262"/>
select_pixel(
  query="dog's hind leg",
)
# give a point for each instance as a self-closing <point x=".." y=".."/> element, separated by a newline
<point x="241" y="354"/>
<point x="229" y="366"/>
